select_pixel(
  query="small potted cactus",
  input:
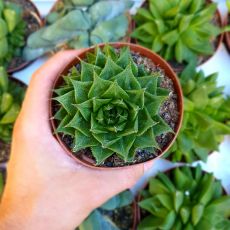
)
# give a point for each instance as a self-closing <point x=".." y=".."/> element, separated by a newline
<point x="206" y="117"/>
<point x="18" y="19"/>
<point x="184" y="198"/>
<point x="11" y="97"/>
<point x="116" y="105"/>
<point x="78" y="24"/>
<point x="180" y="31"/>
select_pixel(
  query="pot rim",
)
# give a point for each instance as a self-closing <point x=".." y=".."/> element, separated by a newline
<point x="144" y="52"/>
<point x="38" y="17"/>
<point x="137" y="210"/>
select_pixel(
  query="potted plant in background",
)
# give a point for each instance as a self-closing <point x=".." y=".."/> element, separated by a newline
<point x="78" y="24"/>
<point x="110" y="107"/>
<point x="116" y="214"/>
<point x="206" y="117"/>
<point x="184" y="198"/>
<point x="180" y="31"/>
<point x="11" y="97"/>
<point x="18" y="19"/>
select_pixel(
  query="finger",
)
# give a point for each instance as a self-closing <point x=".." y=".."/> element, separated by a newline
<point x="39" y="91"/>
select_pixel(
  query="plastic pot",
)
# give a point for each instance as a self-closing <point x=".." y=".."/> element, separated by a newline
<point x="157" y="60"/>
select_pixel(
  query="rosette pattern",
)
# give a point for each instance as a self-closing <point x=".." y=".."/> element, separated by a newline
<point x="111" y="105"/>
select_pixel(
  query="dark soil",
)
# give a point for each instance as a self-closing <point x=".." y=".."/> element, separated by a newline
<point x="33" y="22"/>
<point x="122" y="217"/>
<point x="169" y="111"/>
<point x="4" y="152"/>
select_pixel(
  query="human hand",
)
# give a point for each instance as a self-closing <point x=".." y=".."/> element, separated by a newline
<point x="46" y="189"/>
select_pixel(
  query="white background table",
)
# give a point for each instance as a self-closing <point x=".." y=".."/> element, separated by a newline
<point x="218" y="162"/>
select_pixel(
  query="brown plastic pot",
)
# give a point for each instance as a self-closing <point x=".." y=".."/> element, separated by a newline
<point x="26" y="13"/>
<point x="156" y="59"/>
<point x="137" y="210"/>
<point x="127" y="38"/>
<point x="5" y="147"/>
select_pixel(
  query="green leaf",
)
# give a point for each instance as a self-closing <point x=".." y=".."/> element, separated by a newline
<point x="166" y="181"/>
<point x="169" y="220"/>
<point x="197" y="213"/>
<point x="3" y="28"/>
<point x="171" y="37"/>
<point x="165" y="200"/>
<point x="6" y="102"/>
<point x="101" y="154"/>
<point x="179" y="51"/>
<point x="185" y="214"/>
<point x="11" y="115"/>
<point x="157" y="187"/>
<point x="178" y="200"/>
<point x="97" y="221"/>
<point x="81" y="90"/>
<point x="185" y="22"/>
<point x="122" y="199"/>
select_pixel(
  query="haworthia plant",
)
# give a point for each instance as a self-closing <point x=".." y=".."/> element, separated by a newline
<point x="185" y="198"/>
<point x="11" y="97"/>
<point x="177" y="30"/>
<point x="111" y="105"/>
<point x="12" y="32"/>
<point x="77" y="27"/>
<point x="206" y="117"/>
<point x="98" y="220"/>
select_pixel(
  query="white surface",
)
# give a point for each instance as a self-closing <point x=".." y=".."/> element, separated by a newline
<point x="218" y="162"/>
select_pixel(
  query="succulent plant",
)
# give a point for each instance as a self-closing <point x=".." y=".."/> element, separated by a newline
<point x="99" y="220"/>
<point x="12" y="32"/>
<point x="75" y="27"/>
<point x="185" y="198"/>
<point x="11" y="97"/>
<point x="177" y="30"/>
<point x="206" y="117"/>
<point x="111" y="105"/>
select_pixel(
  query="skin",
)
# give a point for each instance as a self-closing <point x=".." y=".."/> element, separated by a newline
<point x="46" y="189"/>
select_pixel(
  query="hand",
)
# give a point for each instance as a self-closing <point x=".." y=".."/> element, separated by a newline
<point x="46" y="189"/>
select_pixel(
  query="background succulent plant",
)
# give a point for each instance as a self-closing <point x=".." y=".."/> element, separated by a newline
<point x="177" y="30"/>
<point x="12" y="31"/>
<point x="185" y="198"/>
<point x="206" y="117"/>
<point x="11" y="97"/>
<point x="77" y="27"/>
<point x="111" y="105"/>
<point x="99" y="220"/>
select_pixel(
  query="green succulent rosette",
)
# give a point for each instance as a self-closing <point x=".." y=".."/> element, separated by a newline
<point x="177" y="30"/>
<point x="111" y="105"/>
<point x="11" y="97"/>
<point x="12" y="32"/>
<point x="185" y="198"/>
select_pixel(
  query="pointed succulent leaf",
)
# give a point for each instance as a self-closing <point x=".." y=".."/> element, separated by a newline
<point x="106" y="101"/>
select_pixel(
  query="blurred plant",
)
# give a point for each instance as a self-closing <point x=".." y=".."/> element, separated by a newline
<point x="12" y="32"/>
<point x="11" y="97"/>
<point x="2" y="180"/>
<point x="185" y="198"/>
<point x="111" y="106"/>
<point x="177" y="30"/>
<point x="206" y="117"/>
<point x="97" y="220"/>
<point x="75" y="27"/>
